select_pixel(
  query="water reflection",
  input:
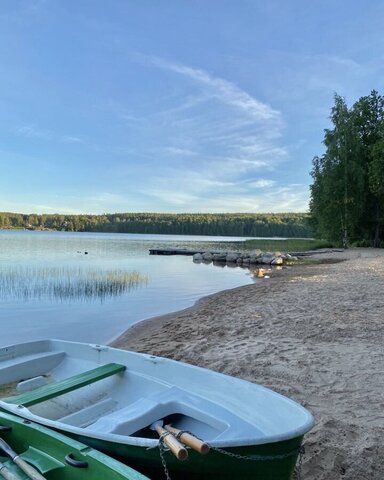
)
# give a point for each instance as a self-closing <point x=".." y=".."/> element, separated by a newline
<point x="74" y="296"/>
<point x="66" y="283"/>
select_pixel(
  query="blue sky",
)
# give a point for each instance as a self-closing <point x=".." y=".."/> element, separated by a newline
<point x="175" y="105"/>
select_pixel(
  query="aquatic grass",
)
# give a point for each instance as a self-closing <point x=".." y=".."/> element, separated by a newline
<point x="66" y="283"/>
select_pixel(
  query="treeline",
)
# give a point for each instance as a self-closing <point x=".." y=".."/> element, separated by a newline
<point x="248" y="225"/>
<point x="347" y="195"/>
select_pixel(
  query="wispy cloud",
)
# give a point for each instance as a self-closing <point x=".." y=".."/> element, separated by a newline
<point x="277" y="199"/>
<point x="71" y="139"/>
<point x="204" y="141"/>
<point x="262" y="183"/>
<point x="219" y="120"/>
<point x="32" y="131"/>
<point x="204" y="192"/>
<point x="184" y="152"/>
<point x="221" y="89"/>
<point x="39" y="208"/>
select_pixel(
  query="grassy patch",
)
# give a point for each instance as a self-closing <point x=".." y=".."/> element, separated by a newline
<point x="65" y="284"/>
<point x="301" y="261"/>
<point x="289" y="245"/>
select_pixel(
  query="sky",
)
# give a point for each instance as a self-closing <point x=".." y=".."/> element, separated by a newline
<point x="175" y="105"/>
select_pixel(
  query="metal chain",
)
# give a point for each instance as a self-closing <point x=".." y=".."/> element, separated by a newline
<point x="180" y="433"/>
<point x="300" y="463"/>
<point x="246" y="457"/>
<point x="162" y="457"/>
<point x="255" y="458"/>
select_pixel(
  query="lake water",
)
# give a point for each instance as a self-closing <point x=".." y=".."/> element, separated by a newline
<point x="49" y="286"/>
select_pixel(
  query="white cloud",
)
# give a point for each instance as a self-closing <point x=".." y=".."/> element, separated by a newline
<point x="38" y="208"/>
<point x="177" y="151"/>
<point x="206" y="142"/>
<point x="262" y="183"/>
<point x="71" y="139"/>
<point x="221" y="89"/>
<point x="342" y="62"/>
<point x="32" y="131"/>
<point x="229" y="129"/>
<point x="204" y="191"/>
<point x="173" y="198"/>
<point x="279" y="200"/>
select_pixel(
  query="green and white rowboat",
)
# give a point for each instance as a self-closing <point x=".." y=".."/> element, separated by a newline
<point x="109" y="399"/>
<point x="54" y="456"/>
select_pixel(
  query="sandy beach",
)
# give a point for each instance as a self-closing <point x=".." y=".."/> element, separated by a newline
<point x="313" y="333"/>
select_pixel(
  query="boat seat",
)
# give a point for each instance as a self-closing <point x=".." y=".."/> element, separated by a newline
<point x="84" y="417"/>
<point x="14" y="369"/>
<point x="110" y="423"/>
<point x="206" y="419"/>
<point x="55" y="389"/>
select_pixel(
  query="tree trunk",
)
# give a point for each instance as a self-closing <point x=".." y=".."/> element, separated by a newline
<point x="377" y="239"/>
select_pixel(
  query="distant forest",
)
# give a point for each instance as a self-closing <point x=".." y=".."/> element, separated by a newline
<point x="237" y="224"/>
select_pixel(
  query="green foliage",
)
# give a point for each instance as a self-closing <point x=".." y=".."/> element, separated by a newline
<point x="361" y="243"/>
<point x="291" y="245"/>
<point x="238" y="224"/>
<point x="347" y="193"/>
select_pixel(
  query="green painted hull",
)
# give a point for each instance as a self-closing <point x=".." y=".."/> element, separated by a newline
<point x="278" y="464"/>
<point x="46" y="450"/>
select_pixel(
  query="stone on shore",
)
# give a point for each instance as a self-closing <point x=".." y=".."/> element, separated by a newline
<point x="277" y="261"/>
<point x="220" y="257"/>
<point x="232" y="257"/>
<point x="255" y="257"/>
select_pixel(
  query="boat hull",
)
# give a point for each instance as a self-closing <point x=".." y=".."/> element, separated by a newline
<point x="274" y="461"/>
<point x="46" y="450"/>
<point x="109" y="399"/>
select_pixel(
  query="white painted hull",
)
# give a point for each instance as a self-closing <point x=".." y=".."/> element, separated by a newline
<point x="225" y="411"/>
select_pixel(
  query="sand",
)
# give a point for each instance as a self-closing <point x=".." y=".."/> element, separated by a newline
<point x="313" y="333"/>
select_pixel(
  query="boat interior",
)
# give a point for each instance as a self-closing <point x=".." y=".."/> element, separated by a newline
<point x="110" y="399"/>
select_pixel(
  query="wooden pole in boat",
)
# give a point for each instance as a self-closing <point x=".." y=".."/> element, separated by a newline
<point x="7" y="474"/>
<point x="30" y="471"/>
<point x="172" y="443"/>
<point x="189" y="439"/>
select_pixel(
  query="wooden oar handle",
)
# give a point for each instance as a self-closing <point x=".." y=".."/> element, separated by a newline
<point x="189" y="440"/>
<point x="28" y="469"/>
<point x="173" y="444"/>
<point x="7" y="474"/>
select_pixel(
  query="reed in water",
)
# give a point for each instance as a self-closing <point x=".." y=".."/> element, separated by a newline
<point x="66" y="283"/>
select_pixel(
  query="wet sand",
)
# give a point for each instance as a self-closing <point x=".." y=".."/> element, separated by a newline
<point x="313" y="333"/>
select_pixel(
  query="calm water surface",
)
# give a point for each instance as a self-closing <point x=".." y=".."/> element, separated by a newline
<point x="49" y="286"/>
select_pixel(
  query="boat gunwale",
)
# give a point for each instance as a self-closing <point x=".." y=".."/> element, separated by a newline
<point x="303" y="428"/>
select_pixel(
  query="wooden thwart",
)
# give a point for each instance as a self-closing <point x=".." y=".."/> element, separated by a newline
<point x="52" y="390"/>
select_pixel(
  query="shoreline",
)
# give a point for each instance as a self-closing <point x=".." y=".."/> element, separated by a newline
<point x="313" y="333"/>
<point x="142" y="327"/>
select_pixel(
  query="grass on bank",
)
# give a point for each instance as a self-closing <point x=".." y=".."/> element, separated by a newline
<point x="288" y="245"/>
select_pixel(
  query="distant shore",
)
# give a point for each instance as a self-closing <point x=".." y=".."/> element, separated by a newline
<point x="313" y="333"/>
